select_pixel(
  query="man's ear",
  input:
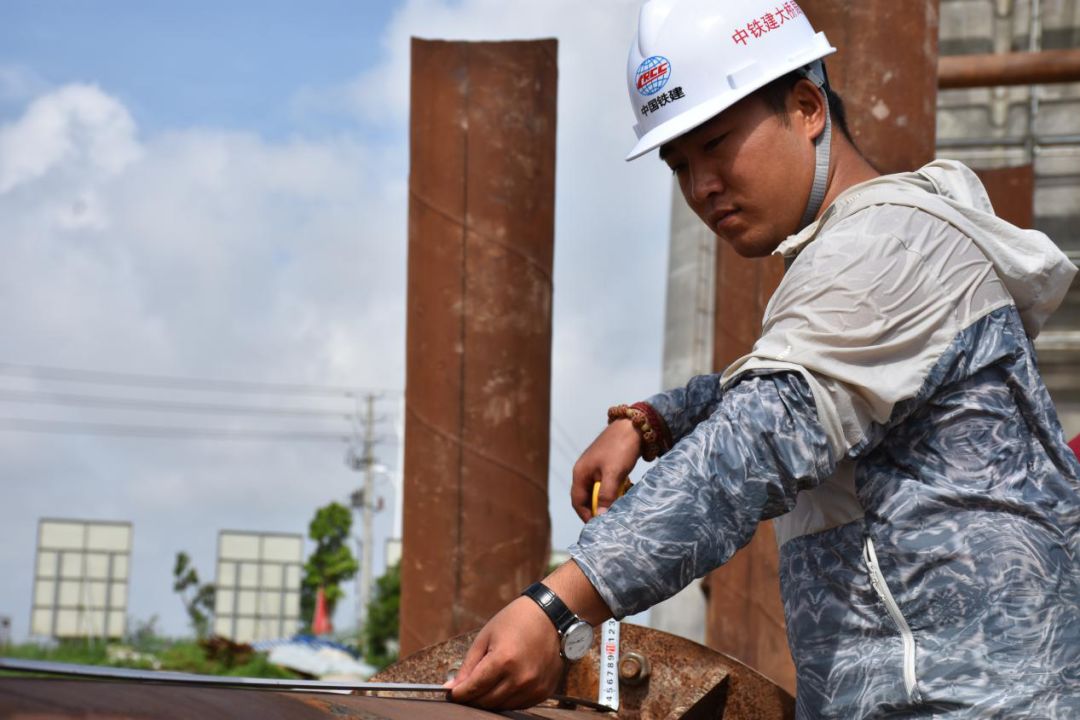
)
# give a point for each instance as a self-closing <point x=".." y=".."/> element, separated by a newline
<point x="806" y="107"/>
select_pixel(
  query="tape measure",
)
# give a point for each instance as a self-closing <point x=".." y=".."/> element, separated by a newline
<point x="609" y="632"/>
<point x="623" y="487"/>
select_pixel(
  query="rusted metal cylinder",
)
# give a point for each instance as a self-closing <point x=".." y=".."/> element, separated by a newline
<point x="1019" y="68"/>
<point x="886" y="72"/>
<point x="1012" y="193"/>
<point x="478" y="356"/>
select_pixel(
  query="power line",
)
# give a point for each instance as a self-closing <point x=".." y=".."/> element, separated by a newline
<point x="151" y="405"/>
<point x="105" y="377"/>
<point x="163" y="432"/>
<point x="560" y="479"/>
<point x="563" y="455"/>
<point x="566" y="438"/>
<point x="568" y="455"/>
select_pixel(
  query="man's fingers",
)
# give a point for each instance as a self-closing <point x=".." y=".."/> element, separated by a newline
<point x="475" y="654"/>
<point x="580" y="498"/>
<point x="609" y="491"/>
<point x="497" y="697"/>
<point x="581" y="490"/>
<point x="512" y="689"/>
<point x="515" y="658"/>
<point x="482" y="679"/>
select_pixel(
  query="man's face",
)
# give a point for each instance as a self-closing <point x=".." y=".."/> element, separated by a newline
<point x="746" y="174"/>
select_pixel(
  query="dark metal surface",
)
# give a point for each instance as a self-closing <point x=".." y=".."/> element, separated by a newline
<point x="49" y="699"/>
<point x="686" y="680"/>
<point x="1018" y="68"/>
<point x="179" y="678"/>
<point x="478" y="366"/>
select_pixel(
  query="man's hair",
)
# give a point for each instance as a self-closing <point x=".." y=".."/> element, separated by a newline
<point x="775" y="96"/>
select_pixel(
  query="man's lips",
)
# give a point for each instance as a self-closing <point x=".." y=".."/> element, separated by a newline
<point x="719" y="218"/>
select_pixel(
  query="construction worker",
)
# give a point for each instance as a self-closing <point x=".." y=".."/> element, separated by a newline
<point x="891" y="417"/>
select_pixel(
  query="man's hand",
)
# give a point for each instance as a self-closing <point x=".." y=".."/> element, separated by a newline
<point x="513" y="663"/>
<point x="607" y="461"/>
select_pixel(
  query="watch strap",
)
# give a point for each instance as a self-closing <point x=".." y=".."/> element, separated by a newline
<point x="561" y="616"/>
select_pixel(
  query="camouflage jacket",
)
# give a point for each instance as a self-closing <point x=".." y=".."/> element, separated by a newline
<point x="892" y="420"/>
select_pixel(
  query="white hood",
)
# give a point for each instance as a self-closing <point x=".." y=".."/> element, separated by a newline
<point x="1034" y="270"/>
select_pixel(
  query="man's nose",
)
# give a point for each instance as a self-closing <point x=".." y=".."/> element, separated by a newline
<point x="704" y="182"/>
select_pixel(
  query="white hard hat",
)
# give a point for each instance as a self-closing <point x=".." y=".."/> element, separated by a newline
<point x="693" y="59"/>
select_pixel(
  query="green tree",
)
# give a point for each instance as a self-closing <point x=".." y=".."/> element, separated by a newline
<point x="381" y="631"/>
<point x="331" y="562"/>
<point x="198" y="598"/>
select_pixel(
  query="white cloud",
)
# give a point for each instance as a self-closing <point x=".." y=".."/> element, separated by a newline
<point x="220" y="254"/>
<point x="77" y="127"/>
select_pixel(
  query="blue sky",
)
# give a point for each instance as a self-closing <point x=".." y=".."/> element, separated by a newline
<point x="206" y="190"/>
<point x="232" y="65"/>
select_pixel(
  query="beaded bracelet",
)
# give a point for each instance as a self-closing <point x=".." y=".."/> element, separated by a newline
<point x="652" y="440"/>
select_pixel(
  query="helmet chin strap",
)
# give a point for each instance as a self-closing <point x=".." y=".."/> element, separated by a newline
<point x="815" y="72"/>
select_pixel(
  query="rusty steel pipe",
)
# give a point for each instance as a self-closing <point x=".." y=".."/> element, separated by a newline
<point x="886" y="71"/>
<point x="478" y="357"/>
<point x="1017" y="68"/>
<point x="890" y="92"/>
<point x="674" y="678"/>
<point x="1012" y="193"/>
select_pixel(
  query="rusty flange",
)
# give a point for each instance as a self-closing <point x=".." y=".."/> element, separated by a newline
<point x="685" y="680"/>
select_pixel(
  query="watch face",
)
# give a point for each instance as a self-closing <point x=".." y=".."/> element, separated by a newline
<point x="577" y="640"/>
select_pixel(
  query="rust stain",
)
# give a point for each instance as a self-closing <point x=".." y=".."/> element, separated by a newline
<point x="684" y="679"/>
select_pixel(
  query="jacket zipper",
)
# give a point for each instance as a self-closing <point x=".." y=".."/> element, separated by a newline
<point x="877" y="580"/>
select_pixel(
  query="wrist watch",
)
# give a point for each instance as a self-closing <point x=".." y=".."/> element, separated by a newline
<point x="575" y="635"/>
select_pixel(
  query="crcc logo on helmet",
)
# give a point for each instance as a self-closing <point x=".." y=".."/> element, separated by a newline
<point x="653" y="74"/>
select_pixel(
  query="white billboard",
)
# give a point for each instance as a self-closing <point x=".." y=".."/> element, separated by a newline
<point x="81" y="579"/>
<point x="258" y="585"/>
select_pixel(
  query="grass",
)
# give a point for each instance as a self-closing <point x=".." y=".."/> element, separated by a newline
<point x="79" y="652"/>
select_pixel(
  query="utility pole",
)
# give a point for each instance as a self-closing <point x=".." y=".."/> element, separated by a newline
<point x="368" y="514"/>
<point x="365" y="502"/>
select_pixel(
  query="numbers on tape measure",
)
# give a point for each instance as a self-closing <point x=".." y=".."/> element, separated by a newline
<point x="609" y="665"/>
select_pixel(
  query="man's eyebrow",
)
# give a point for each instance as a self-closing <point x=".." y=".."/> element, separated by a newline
<point x="664" y="152"/>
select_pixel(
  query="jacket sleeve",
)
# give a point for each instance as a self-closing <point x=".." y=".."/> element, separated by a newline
<point x="703" y="500"/>
<point x="681" y="409"/>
